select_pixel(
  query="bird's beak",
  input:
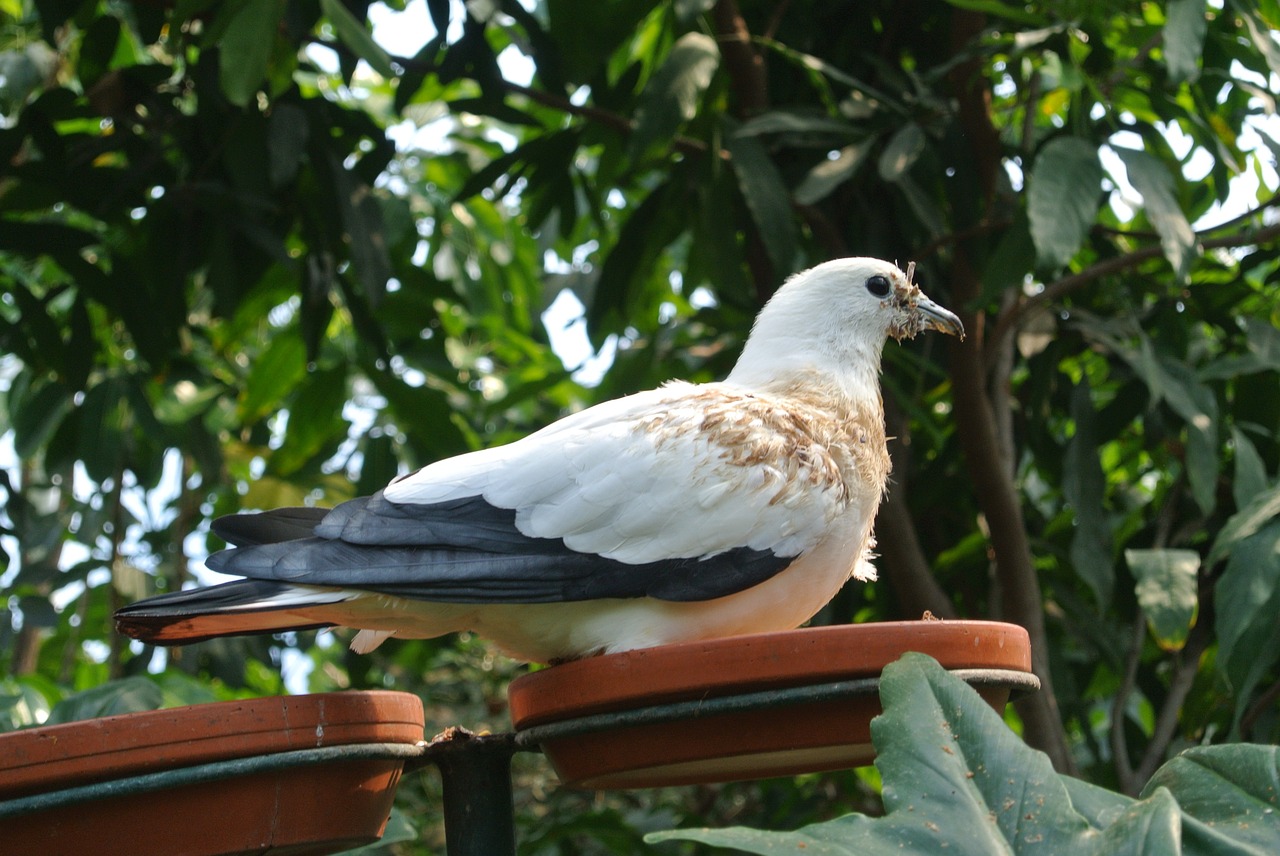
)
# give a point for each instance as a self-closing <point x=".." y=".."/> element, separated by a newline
<point x="934" y="317"/>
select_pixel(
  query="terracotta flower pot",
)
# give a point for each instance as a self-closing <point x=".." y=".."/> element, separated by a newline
<point x="589" y="715"/>
<point x="210" y="779"/>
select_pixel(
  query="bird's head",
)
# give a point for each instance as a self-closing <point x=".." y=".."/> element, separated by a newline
<point x="834" y="318"/>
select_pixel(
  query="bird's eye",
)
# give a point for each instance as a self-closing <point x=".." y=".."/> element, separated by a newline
<point x="879" y="285"/>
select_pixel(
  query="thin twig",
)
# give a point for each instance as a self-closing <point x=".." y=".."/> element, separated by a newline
<point x="1053" y="292"/>
<point x="1184" y="676"/>
<point x="1119" y="746"/>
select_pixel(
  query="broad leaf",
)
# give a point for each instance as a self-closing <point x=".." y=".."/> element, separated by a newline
<point x="671" y="98"/>
<point x="127" y="695"/>
<point x="1250" y="477"/>
<point x="1184" y="31"/>
<point x="768" y="199"/>
<point x="276" y="371"/>
<point x="1152" y="179"/>
<point x="1248" y="601"/>
<point x="1167" y="592"/>
<point x="902" y="150"/>
<point x="246" y="49"/>
<point x="1063" y="194"/>
<point x="956" y="780"/>
<point x="1230" y="796"/>
<point x="830" y="174"/>
<point x="356" y="37"/>
<point x="1245" y="522"/>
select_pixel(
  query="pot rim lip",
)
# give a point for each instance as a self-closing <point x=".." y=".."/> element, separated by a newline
<point x="350" y="707"/>
<point x="731" y="665"/>
<point x="88" y="750"/>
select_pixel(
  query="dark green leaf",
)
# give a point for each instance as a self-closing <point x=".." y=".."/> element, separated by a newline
<point x="287" y="133"/>
<point x="246" y="49"/>
<point x="948" y="763"/>
<point x="315" y="423"/>
<point x="1167" y="592"/>
<point x="1084" y="486"/>
<point x="127" y="695"/>
<point x="767" y="198"/>
<point x="1063" y="193"/>
<point x="36" y="416"/>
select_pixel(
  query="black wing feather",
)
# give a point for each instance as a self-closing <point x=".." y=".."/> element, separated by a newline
<point x="468" y="551"/>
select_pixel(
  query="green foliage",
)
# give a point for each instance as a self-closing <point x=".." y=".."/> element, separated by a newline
<point x="229" y="278"/>
<point x="957" y="779"/>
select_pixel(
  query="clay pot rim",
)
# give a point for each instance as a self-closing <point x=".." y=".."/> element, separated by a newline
<point x="727" y="666"/>
<point x="58" y="756"/>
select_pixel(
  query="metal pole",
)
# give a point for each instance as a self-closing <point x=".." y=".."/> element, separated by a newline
<point x="479" y="813"/>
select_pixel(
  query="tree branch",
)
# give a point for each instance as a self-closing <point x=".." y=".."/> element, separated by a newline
<point x="1008" y="321"/>
<point x="744" y="65"/>
<point x="1129" y="783"/>
<point x="1020" y="595"/>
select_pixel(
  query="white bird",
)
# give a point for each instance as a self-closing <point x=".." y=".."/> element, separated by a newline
<point x="691" y="511"/>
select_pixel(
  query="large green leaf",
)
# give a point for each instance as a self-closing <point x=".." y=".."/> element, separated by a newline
<point x="768" y="199"/>
<point x="901" y="152"/>
<point x="1230" y="796"/>
<point x="1250" y="478"/>
<point x="1152" y="179"/>
<point x="356" y="37"/>
<point x="671" y="97"/>
<point x="246" y="48"/>
<point x="1063" y="194"/>
<point x="1245" y="522"/>
<point x="274" y="374"/>
<point x="1167" y="592"/>
<point x="957" y="780"/>
<point x="1247" y="597"/>
<point x="1184" y="31"/>
<point x="830" y="174"/>
<point x="126" y="695"/>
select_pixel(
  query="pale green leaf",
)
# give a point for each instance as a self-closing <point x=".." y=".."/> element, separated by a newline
<point x="1245" y="522"/>
<point x="1247" y="596"/>
<point x="671" y="98"/>
<point x="1063" y="194"/>
<point x="1166" y="591"/>
<point x="830" y="174"/>
<point x="1250" y="477"/>
<point x="1152" y="179"/>
<point x="1229" y="795"/>
<point x="902" y="150"/>
<point x="1184" y="31"/>
<point x="357" y="38"/>
<point x="1148" y="827"/>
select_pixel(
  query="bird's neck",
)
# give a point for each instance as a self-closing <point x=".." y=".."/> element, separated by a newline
<point x="783" y="365"/>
